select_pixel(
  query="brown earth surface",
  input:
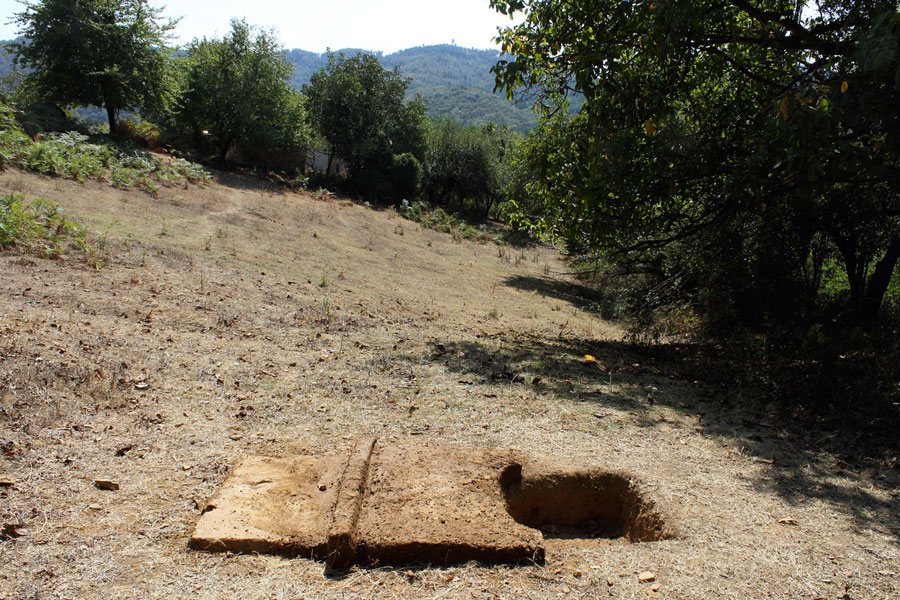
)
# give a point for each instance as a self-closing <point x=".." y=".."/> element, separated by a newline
<point x="242" y="320"/>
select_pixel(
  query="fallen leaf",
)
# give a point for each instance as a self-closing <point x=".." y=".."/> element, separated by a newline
<point x="124" y="450"/>
<point x="10" y="531"/>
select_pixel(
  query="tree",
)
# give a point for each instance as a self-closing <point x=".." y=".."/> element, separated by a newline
<point x="237" y="89"/>
<point x="359" y="107"/>
<point x="105" y="53"/>
<point x="757" y="138"/>
<point x="468" y="167"/>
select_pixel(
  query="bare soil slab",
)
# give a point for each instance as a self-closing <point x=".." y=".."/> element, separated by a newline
<point x="272" y="506"/>
<point x="442" y="505"/>
<point x="419" y="504"/>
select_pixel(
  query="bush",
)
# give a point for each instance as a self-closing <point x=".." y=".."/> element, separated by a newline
<point x="77" y="156"/>
<point x="467" y="168"/>
<point x="405" y="174"/>
<point x="140" y="133"/>
<point x="37" y="227"/>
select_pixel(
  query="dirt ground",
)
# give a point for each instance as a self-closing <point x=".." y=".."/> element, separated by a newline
<point x="241" y="319"/>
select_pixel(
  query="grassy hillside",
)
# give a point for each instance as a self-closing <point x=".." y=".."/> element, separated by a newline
<point x="239" y="319"/>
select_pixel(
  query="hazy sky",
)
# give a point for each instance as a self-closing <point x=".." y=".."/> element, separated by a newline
<point x="387" y="25"/>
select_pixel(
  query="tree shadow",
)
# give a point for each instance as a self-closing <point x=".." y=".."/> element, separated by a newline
<point x="585" y="298"/>
<point x="803" y="460"/>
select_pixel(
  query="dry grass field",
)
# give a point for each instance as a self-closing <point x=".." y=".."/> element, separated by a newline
<point x="241" y="319"/>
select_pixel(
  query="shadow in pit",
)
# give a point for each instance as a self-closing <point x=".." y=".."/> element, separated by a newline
<point x="803" y="461"/>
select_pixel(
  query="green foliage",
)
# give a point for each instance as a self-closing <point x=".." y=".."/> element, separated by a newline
<point x="237" y="90"/>
<point x="468" y="168"/>
<point x="108" y="53"/>
<point x="474" y="106"/>
<point x="455" y="83"/>
<point x="36" y="227"/>
<point x="359" y="108"/>
<point x="73" y="155"/>
<point x="440" y="220"/>
<point x="748" y="143"/>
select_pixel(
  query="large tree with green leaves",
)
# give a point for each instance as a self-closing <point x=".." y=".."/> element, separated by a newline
<point x="105" y="53"/>
<point x="361" y="110"/>
<point x="237" y="90"/>
<point x="468" y="167"/>
<point x="758" y="139"/>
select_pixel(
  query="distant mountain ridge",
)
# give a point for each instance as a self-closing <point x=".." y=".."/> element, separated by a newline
<point x="455" y="82"/>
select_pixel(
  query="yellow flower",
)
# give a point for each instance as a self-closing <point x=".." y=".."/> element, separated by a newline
<point x="589" y="358"/>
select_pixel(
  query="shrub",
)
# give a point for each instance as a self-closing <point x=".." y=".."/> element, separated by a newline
<point x="37" y="227"/>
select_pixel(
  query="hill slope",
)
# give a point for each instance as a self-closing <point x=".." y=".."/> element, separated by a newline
<point x="240" y="319"/>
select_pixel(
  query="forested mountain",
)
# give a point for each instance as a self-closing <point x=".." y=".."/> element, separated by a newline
<point x="455" y="82"/>
<point x="6" y="65"/>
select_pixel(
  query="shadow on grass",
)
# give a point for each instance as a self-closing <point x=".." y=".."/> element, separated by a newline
<point x="805" y="457"/>
<point x="582" y="297"/>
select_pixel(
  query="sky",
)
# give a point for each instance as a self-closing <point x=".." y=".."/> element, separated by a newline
<point x="386" y="25"/>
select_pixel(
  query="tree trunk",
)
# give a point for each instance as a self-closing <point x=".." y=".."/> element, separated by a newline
<point x="223" y="152"/>
<point x="111" y="115"/>
<point x="870" y="303"/>
<point x="330" y="161"/>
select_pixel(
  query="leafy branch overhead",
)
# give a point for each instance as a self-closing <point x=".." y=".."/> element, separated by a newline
<point x="753" y="141"/>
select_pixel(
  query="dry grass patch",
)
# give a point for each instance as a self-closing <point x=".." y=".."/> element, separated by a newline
<point x="210" y="336"/>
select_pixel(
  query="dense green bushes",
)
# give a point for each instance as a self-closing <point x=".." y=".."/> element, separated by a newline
<point x="360" y="110"/>
<point x="39" y="227"/>
<point x="468" y="168"/>
<point x="77" y="156"/>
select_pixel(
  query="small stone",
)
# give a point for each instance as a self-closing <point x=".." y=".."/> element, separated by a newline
<point x="655" y="587"/>
<point x="646" y="577"/>
<point x="7" y="481"/>
<point x="236" y="436"/>
<point x="95" y="507"/>
<point x="106" y="484"/>
<point x="610" y="581"/>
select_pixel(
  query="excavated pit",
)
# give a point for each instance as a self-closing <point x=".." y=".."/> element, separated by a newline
<point x="403" y="504"/>
<point x="581" y="505"/>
